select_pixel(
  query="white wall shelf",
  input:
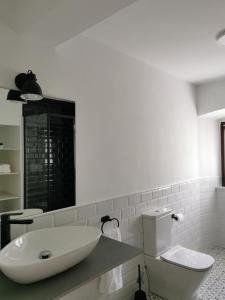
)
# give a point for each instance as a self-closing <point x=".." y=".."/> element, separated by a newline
<point x="11" y="173"/>
<point x="9" y="149"/>
<point x="10" y="182"/>
<point x="7" y="196"/>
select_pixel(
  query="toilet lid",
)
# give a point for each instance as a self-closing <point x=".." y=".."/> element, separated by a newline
<point x="187" y="258"/>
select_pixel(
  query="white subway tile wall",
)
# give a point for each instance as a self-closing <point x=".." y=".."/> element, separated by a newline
<point x="40" y="222"/>
<point x="65" y="217"/>
<point x="220" y="217"/>
<point x="200" y="230"/>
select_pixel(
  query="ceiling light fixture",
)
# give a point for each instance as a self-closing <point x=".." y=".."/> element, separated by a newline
<point x="27" y="84"/>
<point x="220" y="38"/>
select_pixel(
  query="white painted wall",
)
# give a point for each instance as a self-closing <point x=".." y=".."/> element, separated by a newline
<point x="210" y="108"/>
<point x="136" y="126"/>
<point x="210" y="96"/>
<point x="209" y="147"/>
<point x="10" y="112"/>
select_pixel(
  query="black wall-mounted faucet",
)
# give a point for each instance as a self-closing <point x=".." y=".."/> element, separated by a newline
<point x="5" y="226"/>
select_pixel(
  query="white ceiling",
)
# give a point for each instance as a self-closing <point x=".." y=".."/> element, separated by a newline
<point x="55" y="21"/>
<point x="177" y="36"/>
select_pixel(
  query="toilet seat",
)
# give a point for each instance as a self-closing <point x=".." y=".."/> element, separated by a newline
<point x="188" y="258"/>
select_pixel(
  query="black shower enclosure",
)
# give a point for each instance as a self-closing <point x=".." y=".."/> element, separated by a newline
<point x="49" y="154"/>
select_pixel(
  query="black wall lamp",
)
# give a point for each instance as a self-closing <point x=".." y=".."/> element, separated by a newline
<point x="27" y="84"/>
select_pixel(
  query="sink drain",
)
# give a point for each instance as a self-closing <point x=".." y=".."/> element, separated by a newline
<point x="45" y="254"/>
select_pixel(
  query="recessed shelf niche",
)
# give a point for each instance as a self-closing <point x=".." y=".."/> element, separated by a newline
<point x="10" y="183"/>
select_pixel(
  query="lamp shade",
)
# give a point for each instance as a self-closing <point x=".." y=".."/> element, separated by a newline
<point x="30" y="89"/>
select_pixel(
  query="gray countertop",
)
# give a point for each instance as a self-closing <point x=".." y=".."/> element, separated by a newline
<point x="107" y="255"/>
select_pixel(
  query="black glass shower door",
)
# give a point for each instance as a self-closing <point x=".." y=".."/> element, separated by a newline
<point x="61" y="161"/>
<point x="36" y="161"/>
<point x="49" y="158"/>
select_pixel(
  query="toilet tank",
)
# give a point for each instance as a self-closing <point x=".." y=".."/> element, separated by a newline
<point x="157" y="227"/>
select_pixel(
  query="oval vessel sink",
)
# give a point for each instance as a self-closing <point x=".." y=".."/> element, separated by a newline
<point x="46" y="252"/>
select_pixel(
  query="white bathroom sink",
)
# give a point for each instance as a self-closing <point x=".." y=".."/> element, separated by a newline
<point x="43" y="253"/>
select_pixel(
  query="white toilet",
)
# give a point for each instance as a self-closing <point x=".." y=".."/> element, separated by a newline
<point x="175" y="272"/>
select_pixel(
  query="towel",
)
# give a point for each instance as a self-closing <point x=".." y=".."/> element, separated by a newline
<point x="5" y="168"/>
<point x="112" y="281"/>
